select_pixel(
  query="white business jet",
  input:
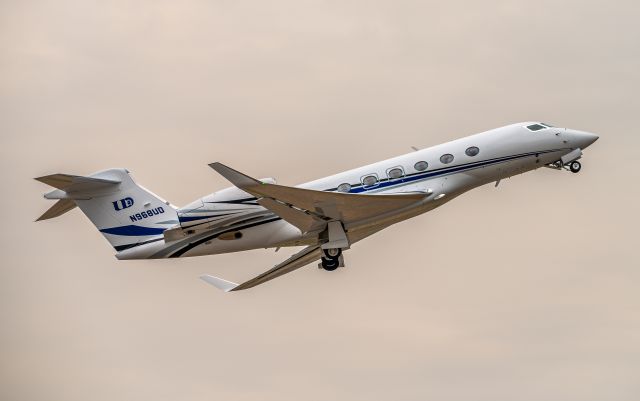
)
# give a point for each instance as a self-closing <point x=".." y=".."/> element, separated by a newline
<point x="325" y="216"/>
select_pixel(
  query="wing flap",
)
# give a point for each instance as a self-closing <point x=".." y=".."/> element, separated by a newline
<point x="305" y="221"/>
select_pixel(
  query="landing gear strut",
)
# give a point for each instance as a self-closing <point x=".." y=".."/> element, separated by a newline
<point x="334" y="240"/>
<point x="331" y="259"/>
<point x="573" y="166"/>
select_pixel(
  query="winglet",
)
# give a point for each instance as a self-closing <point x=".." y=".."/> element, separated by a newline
<point x="219" y="283"/>
<point x="238" y="179"/>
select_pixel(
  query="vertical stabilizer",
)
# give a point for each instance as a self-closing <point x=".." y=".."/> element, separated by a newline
<point x="124" y="212"/>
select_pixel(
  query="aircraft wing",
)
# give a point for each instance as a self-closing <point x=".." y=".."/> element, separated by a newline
<point x="302" y="258"/>
<point x="310" y="210"/>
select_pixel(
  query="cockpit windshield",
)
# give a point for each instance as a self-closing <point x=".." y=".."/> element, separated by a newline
<point x="536" y="127"/>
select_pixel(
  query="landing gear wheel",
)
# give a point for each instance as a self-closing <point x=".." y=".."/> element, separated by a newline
<point x="332" y="253"/>
<point x="330" y="264"/>
<point x="575" y="167"/>
<point x="331" y="258"/>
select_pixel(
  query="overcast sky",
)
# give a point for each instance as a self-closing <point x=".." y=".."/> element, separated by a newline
<point x="528" y="291"/>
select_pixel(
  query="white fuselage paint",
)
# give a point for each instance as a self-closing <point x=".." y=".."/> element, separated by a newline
<point x="503" y="152"/>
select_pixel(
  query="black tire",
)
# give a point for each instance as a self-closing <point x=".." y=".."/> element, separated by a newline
<point x="575" y="167"/>
<point x="330" y="264"/>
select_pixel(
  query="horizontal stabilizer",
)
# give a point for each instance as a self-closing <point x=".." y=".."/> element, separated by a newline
<point x="125" y="213"/>
<point x="71" y="188"/>
<point x="68" y="181"/>
<point x="78" y="187"/>
<point x="58" y="209"/>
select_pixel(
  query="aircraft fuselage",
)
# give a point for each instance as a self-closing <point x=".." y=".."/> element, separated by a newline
<point x="231" y="220"/>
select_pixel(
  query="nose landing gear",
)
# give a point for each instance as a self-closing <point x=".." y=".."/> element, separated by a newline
<point x="331" y="259"/>
<point x="574" y="166"/>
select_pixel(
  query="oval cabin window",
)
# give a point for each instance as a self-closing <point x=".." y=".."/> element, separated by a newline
<point x="472" y="151"/>
<point x="369" y="180"/>
<point x="421" y="165"/>
<point x="395" y="173"/>
<point x="446" y="158"/>
<point x="344" y="187"/>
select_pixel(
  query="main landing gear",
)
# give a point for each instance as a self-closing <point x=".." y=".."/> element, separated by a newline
<point x="573" y="166"/>
<point x="336" y="240"/>
<point x="331" y="259"/>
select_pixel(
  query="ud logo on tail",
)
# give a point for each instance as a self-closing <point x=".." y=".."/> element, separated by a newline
<point x="122" y="204"/>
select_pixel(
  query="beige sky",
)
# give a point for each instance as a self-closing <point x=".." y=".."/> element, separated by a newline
<point x="525" y="292"/>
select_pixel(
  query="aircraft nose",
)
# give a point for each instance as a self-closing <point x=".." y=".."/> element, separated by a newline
<point x="586" y="138"/>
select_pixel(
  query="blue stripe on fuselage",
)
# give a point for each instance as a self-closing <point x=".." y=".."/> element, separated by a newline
<point x="132" y="231"/>
<point x="358" y="188"/>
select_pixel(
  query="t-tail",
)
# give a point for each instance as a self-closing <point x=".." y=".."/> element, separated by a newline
<point x="125" y="213"/>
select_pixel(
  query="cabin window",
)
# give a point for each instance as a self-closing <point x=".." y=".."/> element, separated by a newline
<point x="421" y="165"/>
<point x="346" y="187"/>
<point x="472" y="151"/>
<point x="370" y="180"/>
<point x="395" y="173"/>
<point x="535" y="127"/>
<point x="446" y="158"/>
